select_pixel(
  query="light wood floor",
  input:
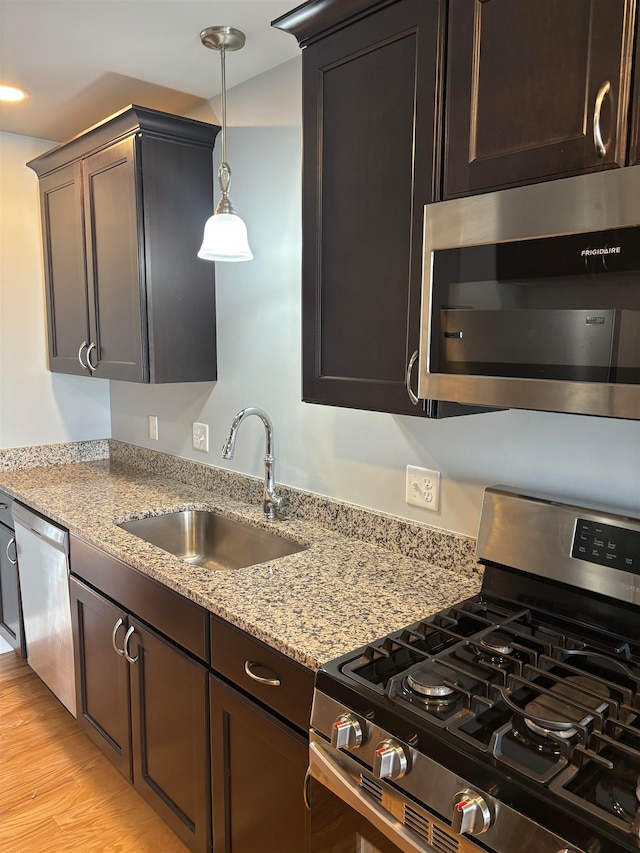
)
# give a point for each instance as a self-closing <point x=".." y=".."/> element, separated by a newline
<point x="57" y="791"/>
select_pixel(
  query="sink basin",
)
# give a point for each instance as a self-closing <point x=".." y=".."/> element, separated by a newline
<point x="205" y="538"/>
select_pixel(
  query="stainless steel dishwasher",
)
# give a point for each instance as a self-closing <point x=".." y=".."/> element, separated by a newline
<point x="43" y="567"/>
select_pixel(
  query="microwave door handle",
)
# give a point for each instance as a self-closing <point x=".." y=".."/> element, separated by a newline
<point x="340" y="783"/>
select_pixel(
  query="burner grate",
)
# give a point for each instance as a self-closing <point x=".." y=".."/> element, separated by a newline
<point x="606" y="777"/>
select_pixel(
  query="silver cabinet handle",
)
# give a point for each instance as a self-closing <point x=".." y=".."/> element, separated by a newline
<point x="125" y="648"/>
<point x="271" y="682"/>
<point x="603" y="91"/>
<point x="415" y="400"/>
<point x="90" y="365"/>
<point x="11" y="542"/>
<point x="116" y="627"/>
<point x="4" y="506"/>
<point x="305" y="789"/>
<point x="83" y="364"/>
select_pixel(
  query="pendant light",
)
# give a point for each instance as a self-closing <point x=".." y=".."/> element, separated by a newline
<point x="225" y="234"/>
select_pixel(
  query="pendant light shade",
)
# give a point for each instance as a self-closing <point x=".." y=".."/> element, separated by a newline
<point x="225" y="239"/>
<point x="225" y="234"/>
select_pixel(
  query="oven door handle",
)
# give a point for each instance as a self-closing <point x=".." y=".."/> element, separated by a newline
<point x="339" y="782"/>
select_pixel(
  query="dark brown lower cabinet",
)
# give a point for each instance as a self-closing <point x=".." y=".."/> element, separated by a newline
<point x="11" y="628"/>
<point x="170" y="734"/>
<point x="102" y="675"/>
<point x="144" y="702"/>
<point x="258" y="767"/>
<point x="222" y="762"/>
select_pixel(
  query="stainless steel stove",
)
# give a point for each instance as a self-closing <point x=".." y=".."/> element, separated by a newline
<point x="509" y="722"/>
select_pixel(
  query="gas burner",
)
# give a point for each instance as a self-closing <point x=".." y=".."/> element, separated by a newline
<point x="543" y="744"/>
<point x="496" y="647"/>
<point x="498" y="642"/>
<point x="559" y="716"/>
<point x="622" y="798"/>
<point x="429" y="683"/>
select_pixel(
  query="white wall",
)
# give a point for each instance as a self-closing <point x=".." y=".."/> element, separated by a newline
<point x="355" y="456"/>
<point x="36" y="407"/>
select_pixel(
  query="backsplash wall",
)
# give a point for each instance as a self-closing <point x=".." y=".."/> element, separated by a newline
<point x="354" y="456"/>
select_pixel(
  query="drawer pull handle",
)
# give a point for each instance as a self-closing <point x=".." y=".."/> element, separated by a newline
<point x="271" y="682"/>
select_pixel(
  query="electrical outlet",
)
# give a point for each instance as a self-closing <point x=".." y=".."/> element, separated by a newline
<point x="153" y="427"/>
<point x="423" y="487"/>
<point x="200" y="437"/>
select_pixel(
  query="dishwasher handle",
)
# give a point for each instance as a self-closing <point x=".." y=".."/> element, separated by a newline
<point x="55" y="536"/>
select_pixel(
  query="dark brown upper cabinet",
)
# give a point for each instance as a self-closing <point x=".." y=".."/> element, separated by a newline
<point x="122" y="208"/>
<point x="371" y="125"/>
<point x="634" y="135"/>
<point x="536" y="90"/>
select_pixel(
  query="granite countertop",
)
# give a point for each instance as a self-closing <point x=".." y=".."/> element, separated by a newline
<point x="336" y="595"/>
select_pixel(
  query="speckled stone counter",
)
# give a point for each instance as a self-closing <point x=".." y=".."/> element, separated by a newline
<point x="336" y="595"/>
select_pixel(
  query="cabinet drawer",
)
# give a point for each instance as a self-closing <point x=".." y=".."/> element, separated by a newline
<point x="244" y="659"/>
<point x="5" y="509"/>
<point x="181" y="620"/>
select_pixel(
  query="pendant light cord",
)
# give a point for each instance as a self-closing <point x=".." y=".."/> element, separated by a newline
<point x="224" y="170"/>
<point x="224" y="104"/>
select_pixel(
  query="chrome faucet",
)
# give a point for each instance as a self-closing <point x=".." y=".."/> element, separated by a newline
<point x="273" y="504"/>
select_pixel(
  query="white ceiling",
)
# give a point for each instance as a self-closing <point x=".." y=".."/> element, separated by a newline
<point x="82" y="60"/>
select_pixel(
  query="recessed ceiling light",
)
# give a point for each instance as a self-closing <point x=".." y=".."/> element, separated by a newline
<point x="10" y="93"/>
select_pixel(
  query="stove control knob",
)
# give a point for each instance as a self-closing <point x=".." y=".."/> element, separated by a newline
<point x="346" y="732"/>
<point x="390" y="760"/>
<point x="471" y="813"/>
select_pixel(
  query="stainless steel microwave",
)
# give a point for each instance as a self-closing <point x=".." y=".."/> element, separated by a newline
<point x="531" y="297"/>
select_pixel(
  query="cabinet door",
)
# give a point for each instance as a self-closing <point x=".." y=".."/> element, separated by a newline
<point x="370" y="118"/>
<point x="102" y="674"/>
<point x="177" y="181"/>
<point x="634" y="141"/>
<point x="258" y="767"/>
<point x="115" y="263"/>
<point x="61" y="214"/>
<point x="530" y="84"/>
<point x="170" y="721"/>
<point x="10" y="610"/>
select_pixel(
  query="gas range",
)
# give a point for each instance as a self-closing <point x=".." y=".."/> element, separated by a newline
<point x="510" y="721"/>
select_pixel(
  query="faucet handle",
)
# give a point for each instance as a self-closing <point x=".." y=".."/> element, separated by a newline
<point x="276" y="507"/>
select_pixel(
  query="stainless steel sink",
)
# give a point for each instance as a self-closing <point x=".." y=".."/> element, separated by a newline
<point x="205" y="538"/>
